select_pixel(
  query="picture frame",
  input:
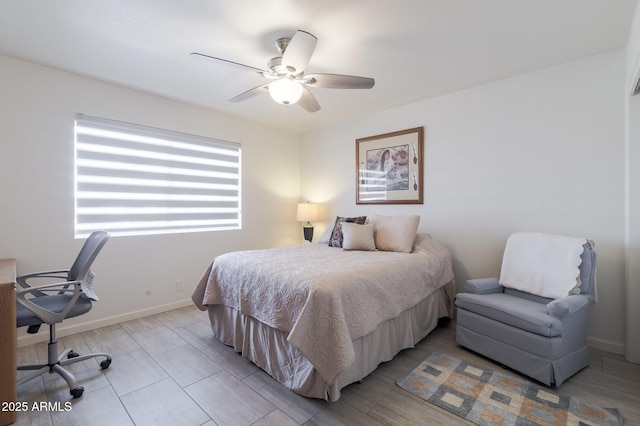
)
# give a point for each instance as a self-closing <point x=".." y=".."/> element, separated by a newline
<point x="389" y="168"/>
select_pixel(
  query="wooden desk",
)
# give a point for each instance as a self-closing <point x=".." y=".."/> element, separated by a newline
<point x="8" y="338"/>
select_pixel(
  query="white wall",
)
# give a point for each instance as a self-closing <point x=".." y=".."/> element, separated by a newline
<point x="540" y="152"/>
<point x="633" y="48"/>
<point x="135" y="275"/>
<point x="633" y="193"/>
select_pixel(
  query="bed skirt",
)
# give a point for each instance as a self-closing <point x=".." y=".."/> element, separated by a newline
<point x="269" y="349"/>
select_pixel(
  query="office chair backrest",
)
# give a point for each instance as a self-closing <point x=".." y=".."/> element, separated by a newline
<point x="87" y="255"/>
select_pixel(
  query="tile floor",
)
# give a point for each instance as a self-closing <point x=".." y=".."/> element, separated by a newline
<point x="168" y="370"/>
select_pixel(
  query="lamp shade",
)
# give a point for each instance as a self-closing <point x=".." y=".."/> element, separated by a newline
<point x="307" y="212"/>
<point x="285" y="91"/>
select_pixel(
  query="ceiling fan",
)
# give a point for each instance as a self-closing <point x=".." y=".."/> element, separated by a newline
<point x="289" y="84"/>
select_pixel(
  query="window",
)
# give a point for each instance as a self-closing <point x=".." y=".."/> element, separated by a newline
<point x="136" y="180"/>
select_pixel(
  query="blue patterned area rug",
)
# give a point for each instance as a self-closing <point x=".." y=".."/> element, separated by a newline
<point x="487" y="397"/>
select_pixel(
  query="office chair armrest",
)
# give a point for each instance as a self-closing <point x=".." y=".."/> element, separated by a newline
<point x="568" y="305"/>
<point x="46" y="315"/>
<point x="483" y="286"/>
<point x="23" y="280"/>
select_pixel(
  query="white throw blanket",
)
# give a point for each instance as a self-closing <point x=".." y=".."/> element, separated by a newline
<point x="322" y="296"/>
<point x="542" y="264"/>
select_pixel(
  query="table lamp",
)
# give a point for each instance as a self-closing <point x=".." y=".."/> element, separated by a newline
<point x="306" y="213"/>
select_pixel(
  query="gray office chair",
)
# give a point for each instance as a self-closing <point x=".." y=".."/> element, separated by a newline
<point x="52" y="303"/>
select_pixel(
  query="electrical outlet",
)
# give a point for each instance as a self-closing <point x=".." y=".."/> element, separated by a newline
<point x="179" y="285"/>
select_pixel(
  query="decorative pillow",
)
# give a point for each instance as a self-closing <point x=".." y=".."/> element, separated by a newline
<point x="336" y="235"/>
<point x="326" y="235"/>
<point x="395" y="233"/>
<point x="357" y="237"/>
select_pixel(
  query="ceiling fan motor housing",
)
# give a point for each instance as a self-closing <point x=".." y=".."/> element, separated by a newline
<point x="282" y="43"/>
<point x="278" y="69"/>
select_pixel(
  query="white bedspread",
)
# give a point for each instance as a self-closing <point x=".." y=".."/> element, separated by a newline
<point x="322" y="296"/>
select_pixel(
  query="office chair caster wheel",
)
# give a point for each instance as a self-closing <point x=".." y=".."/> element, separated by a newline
<point x="105" y="364"/>
<point x="77" y="392"/>
<point x="72" y="354"/>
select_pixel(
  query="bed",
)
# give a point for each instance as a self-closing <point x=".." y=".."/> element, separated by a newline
<point x="316" y="317"/>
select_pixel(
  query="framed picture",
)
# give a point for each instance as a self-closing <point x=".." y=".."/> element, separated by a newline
<point x="389" y="168"/>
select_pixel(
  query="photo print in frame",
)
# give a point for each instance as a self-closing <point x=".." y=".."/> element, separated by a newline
<point x="389" y="168"/>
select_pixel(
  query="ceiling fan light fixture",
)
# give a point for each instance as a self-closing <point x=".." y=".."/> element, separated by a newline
<point x="285" y="91"/>
<point x="288" y="76"/>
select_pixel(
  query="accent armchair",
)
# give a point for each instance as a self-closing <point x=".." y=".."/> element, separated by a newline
<point x="52" y="303"/>
<point x="533" y="318"/>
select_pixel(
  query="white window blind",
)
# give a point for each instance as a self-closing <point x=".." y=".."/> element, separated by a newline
<point x="134" y="180"/>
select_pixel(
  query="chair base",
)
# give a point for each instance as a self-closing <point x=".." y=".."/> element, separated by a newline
<point x="547" y="371"/>
<point x="55" y="364"/>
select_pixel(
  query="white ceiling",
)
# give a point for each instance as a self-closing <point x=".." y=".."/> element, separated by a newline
<point x="414" y="49"/>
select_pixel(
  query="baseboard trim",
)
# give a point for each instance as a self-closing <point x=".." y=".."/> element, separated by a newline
<point x="62" y="331"/>
<point x="605" y="345"/>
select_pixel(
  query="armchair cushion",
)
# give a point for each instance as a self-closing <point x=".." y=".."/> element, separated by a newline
<point x="565" y="306"/>
<point x="511" y="310"/>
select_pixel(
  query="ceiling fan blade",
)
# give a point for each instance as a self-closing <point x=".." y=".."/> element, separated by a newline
<point x="251" y="93"/>
<point x="308" y="101"/>
<point x="224" y="61"/>
<point x="298" y="52"/>
<point x="338" y="81"/>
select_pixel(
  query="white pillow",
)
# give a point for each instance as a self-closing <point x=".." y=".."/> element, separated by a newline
<point x="357" y="237"/>
<point x="336" y="235"/>
<point x="326" y="235"/>
<point x="395" y="233"/>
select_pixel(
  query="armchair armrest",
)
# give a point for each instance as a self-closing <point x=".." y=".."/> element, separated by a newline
<point x="568" y="305"/>
<point x="47" y="315"/>
<point x="483" y="286"/>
